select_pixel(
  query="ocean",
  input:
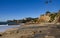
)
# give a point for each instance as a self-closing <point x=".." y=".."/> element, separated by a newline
<point x="5" y="27"/>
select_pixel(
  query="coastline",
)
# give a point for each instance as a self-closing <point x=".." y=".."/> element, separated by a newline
<point x="32" y="31"/>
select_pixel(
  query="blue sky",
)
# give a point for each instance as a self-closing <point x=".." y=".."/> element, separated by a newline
<point x="18" y="9"/>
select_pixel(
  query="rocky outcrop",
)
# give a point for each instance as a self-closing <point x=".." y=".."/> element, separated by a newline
<point x="44" y="18"/>
<point x="57" y="19"/>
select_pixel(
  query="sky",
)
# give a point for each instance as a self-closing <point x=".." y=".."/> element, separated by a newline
<point x="19" y="9"/>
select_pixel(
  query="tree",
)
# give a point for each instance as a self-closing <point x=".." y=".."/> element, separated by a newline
<point x="52" y="16"/>
<point x="48" y="12"/>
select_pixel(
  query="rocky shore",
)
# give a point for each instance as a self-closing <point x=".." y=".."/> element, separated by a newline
<point x="33" y="31"/>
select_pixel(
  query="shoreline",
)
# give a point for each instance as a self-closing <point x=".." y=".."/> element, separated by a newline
<point x="32" y="30"/>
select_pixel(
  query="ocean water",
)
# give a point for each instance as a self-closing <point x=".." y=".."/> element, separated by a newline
<point x="5" y="27"/>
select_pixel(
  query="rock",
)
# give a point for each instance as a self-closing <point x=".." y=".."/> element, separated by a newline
<point x="0" y="34"/>
<point x="57" y="19"/>
<point x="44" y="18"/>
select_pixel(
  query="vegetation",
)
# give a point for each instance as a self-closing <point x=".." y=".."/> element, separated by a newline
<point x="35" y="20"/>
<point x="52" y="16"/>
<point x="29" y="19"/>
